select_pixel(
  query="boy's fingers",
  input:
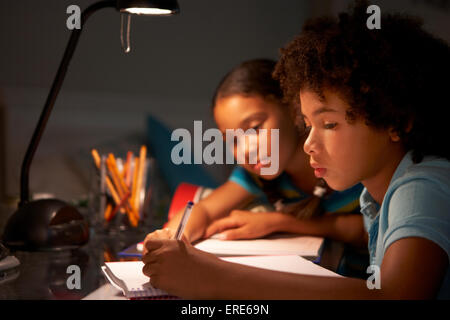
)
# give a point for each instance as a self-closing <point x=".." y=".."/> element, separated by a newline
<point x="165" y="233"/>
<point x="152" y="244"/>
<point x="150" y="257"/>
<point x="149" y="270"/>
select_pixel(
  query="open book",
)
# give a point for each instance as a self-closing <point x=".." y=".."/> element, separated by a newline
<point x="127" y="276"/>
<point x="275" y="244"/>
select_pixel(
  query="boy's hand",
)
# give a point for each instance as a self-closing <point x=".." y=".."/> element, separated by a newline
<point x="161" y="234"/>
<point x="180" y="269"/>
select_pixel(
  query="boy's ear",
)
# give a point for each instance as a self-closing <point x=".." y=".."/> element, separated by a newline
<point x="409" y="126"/>
<point x="393" y="134"/>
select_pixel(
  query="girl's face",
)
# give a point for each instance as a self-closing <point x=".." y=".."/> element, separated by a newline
<point x="246" y="112"/>
<point x="344" y="153"/>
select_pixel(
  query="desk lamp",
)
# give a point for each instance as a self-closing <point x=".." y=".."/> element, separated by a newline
<point x="52" y="224"/>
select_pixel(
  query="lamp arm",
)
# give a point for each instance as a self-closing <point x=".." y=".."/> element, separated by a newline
<point x="56" y="86"/>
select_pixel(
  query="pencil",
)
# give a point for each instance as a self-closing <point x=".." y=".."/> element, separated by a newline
<point x="134" y="181"/>
<point x="107" y="214"/>
<point x="121" y="187"/>
<point x="127" y="169"/>
<point x="114" y="194"/>
<point x="122" y="202"/>
<point x="109" y="184"/>
<point x="137" y="195"/>
<point x="117" y="177"/>
<point x="96" y="157"/>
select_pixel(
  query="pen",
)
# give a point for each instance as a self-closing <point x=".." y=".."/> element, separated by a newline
<point x="184" y="220"/>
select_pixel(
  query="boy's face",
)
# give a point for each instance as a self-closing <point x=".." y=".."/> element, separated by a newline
<point x="343" y="153"/>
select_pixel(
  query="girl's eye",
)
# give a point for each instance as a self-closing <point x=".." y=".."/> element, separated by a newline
<point x="330" y="125"/>
<point x="256" y="127"/>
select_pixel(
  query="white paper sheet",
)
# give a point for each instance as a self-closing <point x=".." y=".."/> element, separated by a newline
<point x="278" y="244"/>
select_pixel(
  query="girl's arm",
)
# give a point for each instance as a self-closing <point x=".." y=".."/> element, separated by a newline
<point x="240" y="224"/>
<point x="218" y="204"/>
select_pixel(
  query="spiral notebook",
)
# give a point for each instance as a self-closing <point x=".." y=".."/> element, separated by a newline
<point x="127" y="276"/>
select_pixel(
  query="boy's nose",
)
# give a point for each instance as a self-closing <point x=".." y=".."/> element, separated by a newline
<point x="309" y="145"/>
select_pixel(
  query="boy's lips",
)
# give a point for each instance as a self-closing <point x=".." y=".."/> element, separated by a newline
<point x="319" y="171"/>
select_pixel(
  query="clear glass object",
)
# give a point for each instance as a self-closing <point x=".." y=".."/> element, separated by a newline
<point x="121" y="193"/>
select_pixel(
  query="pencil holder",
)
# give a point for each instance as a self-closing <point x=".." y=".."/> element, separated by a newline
<point x="121" y="192"/>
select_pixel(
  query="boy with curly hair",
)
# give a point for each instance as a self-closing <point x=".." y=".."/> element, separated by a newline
<point x="373" y="102"/>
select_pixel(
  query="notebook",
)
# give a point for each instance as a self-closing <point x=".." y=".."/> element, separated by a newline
<point x="283" y="263"/>
<point x="276" y="244"/>
<point x="127" y="276"/>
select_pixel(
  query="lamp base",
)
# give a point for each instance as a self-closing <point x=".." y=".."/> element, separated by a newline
<point x="46" y="225"/>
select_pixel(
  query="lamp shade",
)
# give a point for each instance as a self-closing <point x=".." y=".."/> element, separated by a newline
<point x="149" y="7"/>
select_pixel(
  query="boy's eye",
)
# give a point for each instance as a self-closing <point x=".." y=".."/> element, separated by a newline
<point x="330" y="125"/>
<point x="306" y="129"/>
<point x="305" y="123"/>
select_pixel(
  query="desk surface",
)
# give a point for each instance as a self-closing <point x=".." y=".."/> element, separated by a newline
<point x="43" y="275"/>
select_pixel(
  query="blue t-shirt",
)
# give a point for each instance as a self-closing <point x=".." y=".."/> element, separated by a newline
<point x="337" y="201"/>
<point x="416" y="204"/>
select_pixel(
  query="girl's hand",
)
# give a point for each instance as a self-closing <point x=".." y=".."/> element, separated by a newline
<point x="179" y="269"/>
<point x="243" y="225"/>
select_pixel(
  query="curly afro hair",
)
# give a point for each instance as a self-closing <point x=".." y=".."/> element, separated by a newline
<point x="394" y="77"/>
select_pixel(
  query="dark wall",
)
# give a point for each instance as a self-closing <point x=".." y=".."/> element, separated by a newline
<point x="182" y="55"/>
